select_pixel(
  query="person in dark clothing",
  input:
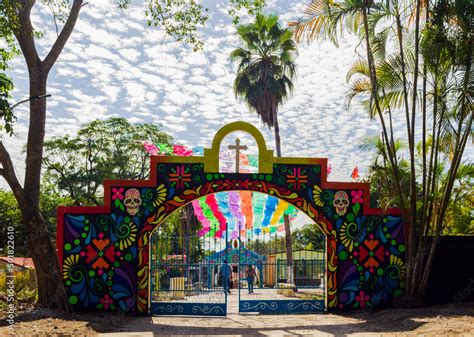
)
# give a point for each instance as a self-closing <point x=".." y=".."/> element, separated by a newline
<point x="226" y="272"/>
<point x="251" y="275"/>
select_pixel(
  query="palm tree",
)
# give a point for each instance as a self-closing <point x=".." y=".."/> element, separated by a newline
<point x="264" y="80"/>
<point x="425" y="45"/>
<point x="266" y="68"/>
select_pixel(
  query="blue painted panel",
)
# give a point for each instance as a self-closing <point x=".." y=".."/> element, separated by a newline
<point x="197" y="309"/>
<point x="282" y="306"/>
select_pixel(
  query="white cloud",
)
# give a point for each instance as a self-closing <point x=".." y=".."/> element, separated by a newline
<point x="130" y="54"/>
<point x="114" y="65"/>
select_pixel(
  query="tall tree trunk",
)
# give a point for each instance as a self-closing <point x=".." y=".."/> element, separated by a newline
<point x="276" y="128"/>
<point x="288" y="238"/>
<point x="411" y="143"/>
<point x="188" y="215"/>
<point x="289" y="252"/>
<point x="51" y="290"/>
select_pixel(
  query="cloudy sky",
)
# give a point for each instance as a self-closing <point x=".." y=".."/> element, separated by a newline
<point x="114" y="65"/>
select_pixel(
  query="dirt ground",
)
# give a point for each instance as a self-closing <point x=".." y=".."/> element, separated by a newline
<point x="31" y="321"/>
<point x="431" y="321"/>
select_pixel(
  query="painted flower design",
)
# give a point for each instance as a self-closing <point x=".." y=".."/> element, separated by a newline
<point x="399" y="265"/>
<point x="117" y="193"/>
<point x="349" y="235"/>
<point x="151" y="148"/>
<point x="127" y="235"/>
<point x="317" y="191"/>
<point x="362" y="298"/>
<point x="237" y="184"/>
<point x="69" y="262"/>
<point x="181" y="150"/>
<point x="106" y="301"/>
<point x="160" y="195"/>
<point x="357" y="197"/>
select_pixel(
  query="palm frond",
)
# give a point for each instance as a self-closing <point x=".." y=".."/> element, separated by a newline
<point x="379" y="43"/>
<point x="319" y="20"/>
<point x="267" y="68"/>
<point x="359" y="67"/>
<point x="392" y="99"/>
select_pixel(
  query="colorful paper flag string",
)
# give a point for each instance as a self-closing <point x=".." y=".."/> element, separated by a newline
<point x="270" y="208"/>
<point x="246" y="208"/>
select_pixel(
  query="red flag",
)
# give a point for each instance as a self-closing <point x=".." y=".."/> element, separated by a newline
<point x="355" y="173"/>
<point x="329" y="169"/>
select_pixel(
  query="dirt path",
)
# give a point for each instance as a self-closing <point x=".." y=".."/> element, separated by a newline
<point x="434" y="321"/>
<point x="32" y="321"/>
<point x="427" y="322"/>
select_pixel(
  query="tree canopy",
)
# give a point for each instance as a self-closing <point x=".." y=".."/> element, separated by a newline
<point x="102" y="149"/>
<point x="416" y="63"/>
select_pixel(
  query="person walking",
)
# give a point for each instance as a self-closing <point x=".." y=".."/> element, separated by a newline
<point x="251" y="274"/>
<point x="226" y="272"/>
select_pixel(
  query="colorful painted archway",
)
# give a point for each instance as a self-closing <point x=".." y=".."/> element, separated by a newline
<point x="104" y="251"/>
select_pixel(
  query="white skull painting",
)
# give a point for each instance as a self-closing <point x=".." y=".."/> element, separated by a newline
<point x="341" y="202"/>
<point x="132" y="201"/>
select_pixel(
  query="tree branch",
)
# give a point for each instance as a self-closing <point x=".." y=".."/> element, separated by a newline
<point x="24" y="34"/>
<point x="63" y="36"/>
<point x="8" y="172"/>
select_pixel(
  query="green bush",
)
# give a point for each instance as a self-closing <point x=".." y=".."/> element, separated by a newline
<point x="21" y="285"/>
<point x="3" y="285"/>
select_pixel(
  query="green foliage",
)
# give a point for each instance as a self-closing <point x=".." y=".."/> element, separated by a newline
<point x="460" y="213"/>
<point x="10" y="216"/>
<point x="310" y="237"/>
<point x="178" y="235"/>
<point x="252" y="6"/>
<point x="267" y="246"/>
<point x="180" y="19"/>
<point x="307" y="237"/>
<point x="8" y="50"/>
<point x="383" y="191"/>
<point x="103" y="149"/>
<point x="58" y="8"/>
<point x="387" y="78"/>
<point x="459" y="218"/>
<point x="327" y="19"/>
<point x="266" y="66"/>
<point x="50" y="200"/>
<point x="24" y="288"/>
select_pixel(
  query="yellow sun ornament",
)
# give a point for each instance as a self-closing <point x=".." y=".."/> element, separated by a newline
<point x="396" y="261"/>
<point x="160" y="195"/>
<point x="68" y="263"/>
<point x="129" y="239"/>
<point x="317" y="196"/>
<point x="347" y="230"/>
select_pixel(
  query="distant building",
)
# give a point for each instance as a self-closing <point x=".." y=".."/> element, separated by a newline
<point x="19" y="263"/>
<point x="309" y="268"/>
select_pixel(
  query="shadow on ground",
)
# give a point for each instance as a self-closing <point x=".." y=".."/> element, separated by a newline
<point x="397" y="321"/>
<point x="39" y="318"/>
